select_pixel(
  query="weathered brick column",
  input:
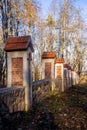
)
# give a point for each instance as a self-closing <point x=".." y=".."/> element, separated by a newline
<point x="66" y="73"/>
<point x="19" y="51"/>
<point x="73" y="77"/>
<point x="48" y="66"/>
<point x="59" y="71"/>
<point x="69" y="70"/>
<point x="77" y="78"/>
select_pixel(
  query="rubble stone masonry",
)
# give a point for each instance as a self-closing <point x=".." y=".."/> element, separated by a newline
<point x="48" y="70"/>
<point x="14" y="98"/>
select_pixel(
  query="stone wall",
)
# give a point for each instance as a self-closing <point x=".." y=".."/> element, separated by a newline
<point x="14" y="98"/>
<point x="41" y="89"/>
<point x="58" y="84"/>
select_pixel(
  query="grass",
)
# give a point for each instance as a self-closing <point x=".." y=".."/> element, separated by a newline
<point x="59" y="111"/>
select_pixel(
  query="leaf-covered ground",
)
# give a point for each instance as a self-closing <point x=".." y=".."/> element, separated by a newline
<point x="64" y="111"/>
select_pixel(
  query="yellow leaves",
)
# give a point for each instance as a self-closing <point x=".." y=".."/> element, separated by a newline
<point x="26" y="11"/>
<point x="30" y="12"/>
<point x="50" y="21"/>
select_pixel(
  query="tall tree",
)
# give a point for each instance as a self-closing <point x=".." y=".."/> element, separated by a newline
<point x="50" y="24"/>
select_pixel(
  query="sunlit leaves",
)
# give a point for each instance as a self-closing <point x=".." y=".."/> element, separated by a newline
<point x="50" y="21"/>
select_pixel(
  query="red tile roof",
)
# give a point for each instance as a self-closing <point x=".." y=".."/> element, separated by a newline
<point x="48" y="55"/>
<point x="59" y="60"/>
<point x="18" y="43"/>
<point x="69" y="67"/>
<point x="66" y="65"/>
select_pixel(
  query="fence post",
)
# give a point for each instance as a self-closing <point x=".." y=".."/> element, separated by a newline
<point x="48" y="67"/>
<point x="19" y="51"/>
<point x="59" y="71"/>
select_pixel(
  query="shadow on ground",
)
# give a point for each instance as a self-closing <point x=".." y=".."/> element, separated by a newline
<point x="58" y="111"/>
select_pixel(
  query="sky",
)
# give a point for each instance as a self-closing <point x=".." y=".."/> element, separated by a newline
<point x="79" y="3"/>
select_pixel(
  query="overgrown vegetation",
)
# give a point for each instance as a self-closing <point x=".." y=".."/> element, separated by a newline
<point x="64" y="111"/>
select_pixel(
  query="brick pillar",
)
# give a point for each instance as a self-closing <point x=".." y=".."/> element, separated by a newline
<point x="66" y="66"/>
<point x="70" y="83"/>
<point x="19" y="51"/>
<point x="59" y="71"/>
<point x="48" y="66"/>
<point x="28" y="88"/>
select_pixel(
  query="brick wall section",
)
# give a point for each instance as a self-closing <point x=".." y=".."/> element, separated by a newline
<point x="14" y="98"/>
<point x="41" y="89"/>
<point x="17" y="71"/>
<point x="48" y="70"/>
<point x="59" y="72"/>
